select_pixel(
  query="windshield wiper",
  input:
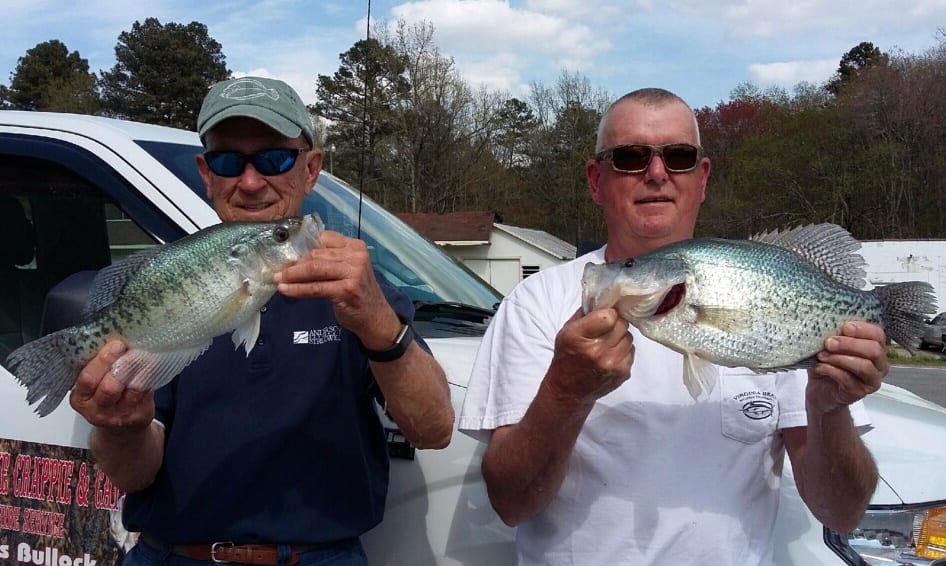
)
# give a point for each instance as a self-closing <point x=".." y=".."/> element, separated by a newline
<point x="428" y="310"/>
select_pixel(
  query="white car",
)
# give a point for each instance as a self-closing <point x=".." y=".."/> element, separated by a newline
<point x="95" y="189"/>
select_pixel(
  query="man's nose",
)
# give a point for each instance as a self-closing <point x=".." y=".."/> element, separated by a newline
<point x="656" y="169"/>
<point x="250" y="179"/>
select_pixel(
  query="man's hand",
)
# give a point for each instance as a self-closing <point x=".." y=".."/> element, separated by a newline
<point x="105" y="402"/>
<point x="341" y="272"/>
<point x="852" y="366"/>
<point x="593" y="356"/>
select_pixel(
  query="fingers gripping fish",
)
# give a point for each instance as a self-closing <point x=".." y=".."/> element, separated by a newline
<point x="167" y="304"/>
<point x="767" y="303"/>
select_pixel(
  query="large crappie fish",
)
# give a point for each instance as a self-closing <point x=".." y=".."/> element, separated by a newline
<point x="167" y="304"/>
<point x="767" y="303"/>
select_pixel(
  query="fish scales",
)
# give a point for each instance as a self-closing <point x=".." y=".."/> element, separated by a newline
<point x="795" y="310"/>
<point x="167" y="304"/>
<point x="767" y="303"/>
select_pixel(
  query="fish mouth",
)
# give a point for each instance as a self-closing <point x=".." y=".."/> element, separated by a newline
<point x="672" y="298"/>
<point x="310" y="234"/>
<point x="641" y="306"/>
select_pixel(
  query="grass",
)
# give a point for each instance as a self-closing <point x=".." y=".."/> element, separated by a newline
<point x="925" y="358"/>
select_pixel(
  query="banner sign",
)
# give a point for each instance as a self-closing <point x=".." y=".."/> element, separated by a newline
<point x="57" y="508"/>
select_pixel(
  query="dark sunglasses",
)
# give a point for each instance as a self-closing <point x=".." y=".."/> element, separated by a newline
<point x="267" y="162"/>
<point x="636" y="158"/>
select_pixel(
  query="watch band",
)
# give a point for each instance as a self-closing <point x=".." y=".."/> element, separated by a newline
<point x="403" y="340"/>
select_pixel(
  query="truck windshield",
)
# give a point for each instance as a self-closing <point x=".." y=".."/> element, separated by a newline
<point x="418" y="267"/>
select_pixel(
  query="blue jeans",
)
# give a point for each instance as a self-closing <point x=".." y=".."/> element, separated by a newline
<point x="343" y="554"/>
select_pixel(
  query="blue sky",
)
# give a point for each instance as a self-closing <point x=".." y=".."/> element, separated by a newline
<point x="700" y="49"/>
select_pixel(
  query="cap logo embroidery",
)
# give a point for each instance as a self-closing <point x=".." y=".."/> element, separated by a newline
<point x="248" y="89"/>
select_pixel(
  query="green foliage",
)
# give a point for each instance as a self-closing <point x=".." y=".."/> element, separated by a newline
<point x="860" y="57"/>
<point x="359" y="101"/>
<point x="51" y="78"/>
<point x="162" y="73"/>
<point x="870" y="158"/>
<point x="865" y="150"/>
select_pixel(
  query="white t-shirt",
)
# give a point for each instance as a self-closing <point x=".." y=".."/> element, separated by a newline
<point x="655" y="477"/>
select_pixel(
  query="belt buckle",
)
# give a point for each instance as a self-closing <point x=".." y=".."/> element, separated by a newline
<point x="213" y="551"/>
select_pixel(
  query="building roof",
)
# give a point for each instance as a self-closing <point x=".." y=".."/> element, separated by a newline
<point x="473" y="228"/>
<point x="453" y="228"/>
<point x="542" y="240"/>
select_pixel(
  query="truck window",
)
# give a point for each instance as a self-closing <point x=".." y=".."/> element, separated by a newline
<point x="53" y="223"/>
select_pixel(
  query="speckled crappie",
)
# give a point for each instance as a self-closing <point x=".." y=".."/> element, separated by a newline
<point x="767" y="303"/>
<point x="167" y="304"/>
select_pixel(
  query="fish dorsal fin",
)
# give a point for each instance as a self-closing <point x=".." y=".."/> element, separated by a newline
<point x="828" y="247"/>
<point x="110" y="281"/>
<point x="143" y="370"/>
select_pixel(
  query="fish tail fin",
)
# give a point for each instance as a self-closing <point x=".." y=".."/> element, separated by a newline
<point x="699" y="376"/>
<point x="906" y="306"/>
<point x="48" y="367"/>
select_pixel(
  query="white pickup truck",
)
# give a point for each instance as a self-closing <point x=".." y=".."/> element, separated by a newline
<point x="78" y="192"/>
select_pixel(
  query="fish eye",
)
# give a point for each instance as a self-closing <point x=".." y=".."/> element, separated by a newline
<point x="280" y="233"/>
<point x="629" y="262"/>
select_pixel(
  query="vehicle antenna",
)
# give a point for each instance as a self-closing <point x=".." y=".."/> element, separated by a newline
<point x="364" y="120"/>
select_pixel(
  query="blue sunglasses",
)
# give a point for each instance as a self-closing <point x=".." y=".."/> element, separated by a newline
<point x="267" y="162"/>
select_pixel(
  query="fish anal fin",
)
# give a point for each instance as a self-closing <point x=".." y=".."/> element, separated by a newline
<point x="804" y="363"/>
<point x="699" y="376"/>
<point x="143" y="370"/>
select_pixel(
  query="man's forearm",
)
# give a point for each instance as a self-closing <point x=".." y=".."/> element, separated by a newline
<point x="839" y="474"/>
<point x="418" y="397"/>
<point x="130" y="458"/>
<point x="525" y="463"/>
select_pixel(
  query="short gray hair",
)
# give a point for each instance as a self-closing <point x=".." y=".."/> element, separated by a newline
<point x="651" y="96"/>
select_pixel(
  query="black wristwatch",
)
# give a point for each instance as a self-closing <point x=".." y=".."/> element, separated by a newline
<point x="403" y="340"/>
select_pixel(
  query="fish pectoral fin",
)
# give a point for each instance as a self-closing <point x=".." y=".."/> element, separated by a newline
<point x="143" y="370"/>
<point x="699" y="376"/>
<point x="247" y="333"/>
<point x="732" y="321"/>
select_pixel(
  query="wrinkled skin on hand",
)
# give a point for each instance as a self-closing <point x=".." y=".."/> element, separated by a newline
<point x="104" y="401"/>
<point x="341" y="272"/>
<point x="593" y="356"/>
<point x="852" y="366"/>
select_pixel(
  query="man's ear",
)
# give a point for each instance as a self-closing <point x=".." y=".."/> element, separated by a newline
<point x="592" y="175"/>
<point x="204" y="171"/>
<point x="313" y="168"/>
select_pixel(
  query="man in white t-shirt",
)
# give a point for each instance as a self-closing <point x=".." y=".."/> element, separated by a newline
<point x="596" y="449"/>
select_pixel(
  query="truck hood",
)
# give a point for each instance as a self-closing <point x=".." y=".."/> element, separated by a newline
<point x="910" y="468"/>
<point x="456" y="356"/>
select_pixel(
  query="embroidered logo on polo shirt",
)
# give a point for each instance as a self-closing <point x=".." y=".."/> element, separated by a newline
<point x="756" y="405"/>
<point x="331" y="333"/>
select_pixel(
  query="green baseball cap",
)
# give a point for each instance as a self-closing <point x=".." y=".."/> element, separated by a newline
<point x="269" y="101"/>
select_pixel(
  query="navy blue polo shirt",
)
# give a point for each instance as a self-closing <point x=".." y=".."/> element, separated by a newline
<point x="282" y="446"/>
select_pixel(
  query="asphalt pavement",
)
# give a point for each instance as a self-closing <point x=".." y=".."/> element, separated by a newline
<point x="927" y="382"/>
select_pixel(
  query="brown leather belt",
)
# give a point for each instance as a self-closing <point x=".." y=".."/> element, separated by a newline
<point x="228" y="552"/>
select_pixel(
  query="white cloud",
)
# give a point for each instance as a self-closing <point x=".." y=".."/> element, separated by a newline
<point x="501" y="72"/>
<point x="565" y="8"/>
<point x="789" y="73"/>
<point x="479" y="30"/>
<point x="819" y="19"/>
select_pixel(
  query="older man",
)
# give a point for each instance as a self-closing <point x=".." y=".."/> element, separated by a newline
<point x="597" y="451"/>
<point x="276" y="457"/>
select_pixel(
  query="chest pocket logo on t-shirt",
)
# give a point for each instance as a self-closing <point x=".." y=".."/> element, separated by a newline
<point x="749" y="407"/>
